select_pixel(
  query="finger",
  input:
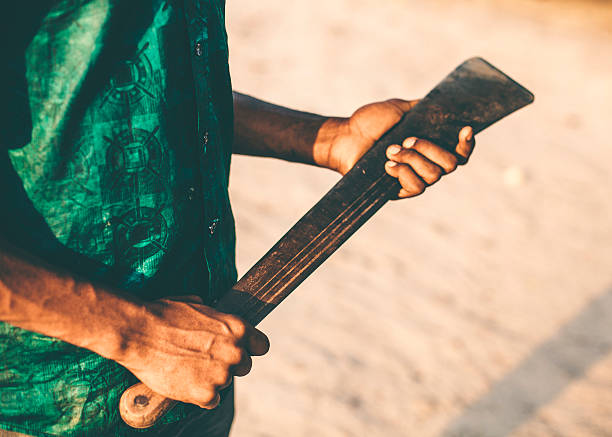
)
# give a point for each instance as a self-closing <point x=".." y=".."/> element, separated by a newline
<point x="424" y="168"/>
<point x="229" y="382"/>
<point x="226" y="351"/>
<point x="412" y="184"/>
<point x="219" y="376"/>
<point x="433" y="152"/>
<point x="244" y="367"/>
<point x="213" y="403"/>
<point x="403" y="194"/>
<point x="257" y="342"/>
<point x="202" y="396"/>
<point x="466" y="143"/>
<point x="236" y="326"/>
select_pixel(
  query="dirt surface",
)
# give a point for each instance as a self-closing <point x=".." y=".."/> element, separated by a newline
<point x="482" y="308"/>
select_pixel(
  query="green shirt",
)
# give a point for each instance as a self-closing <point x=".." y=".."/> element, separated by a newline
<point x="114" y="164"/>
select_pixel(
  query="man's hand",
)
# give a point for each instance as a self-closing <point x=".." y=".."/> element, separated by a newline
<point x="180" y="348"/>
<point x="417" y="163"/>
<point x="191" y="351"/>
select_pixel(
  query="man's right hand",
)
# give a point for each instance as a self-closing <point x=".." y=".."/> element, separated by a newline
<point x="189" y="352"/>
<point x="180" y="348"/>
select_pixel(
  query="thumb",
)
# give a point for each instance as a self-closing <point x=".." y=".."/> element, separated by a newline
<point x="404" y="105"/>
<point x="373" y="120"/>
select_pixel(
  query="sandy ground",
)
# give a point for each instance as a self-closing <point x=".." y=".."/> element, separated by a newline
<point x="482" y="308"/>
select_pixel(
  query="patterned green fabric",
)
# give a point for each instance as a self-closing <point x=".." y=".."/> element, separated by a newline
<point x="115" y="166"/>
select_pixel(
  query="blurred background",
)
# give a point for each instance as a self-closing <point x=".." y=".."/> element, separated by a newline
<point x="482" y="308"/>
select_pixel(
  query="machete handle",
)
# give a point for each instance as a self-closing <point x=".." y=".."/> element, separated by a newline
<point x="141" y="407"/>
<point x="476" y="94"/>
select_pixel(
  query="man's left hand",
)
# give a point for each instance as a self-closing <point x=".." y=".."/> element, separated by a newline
<point x="417" y="163"/>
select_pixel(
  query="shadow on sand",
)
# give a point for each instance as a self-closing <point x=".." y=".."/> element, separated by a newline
<point x="541" y="376"/>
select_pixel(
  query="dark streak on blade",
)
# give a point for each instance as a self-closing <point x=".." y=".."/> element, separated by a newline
<point x="476" y="94"/>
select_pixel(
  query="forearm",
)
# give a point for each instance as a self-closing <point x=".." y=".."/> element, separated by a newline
<point x="264" y="129"/>
<point x="38" y="297"/>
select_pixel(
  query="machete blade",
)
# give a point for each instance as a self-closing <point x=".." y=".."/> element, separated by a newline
<point x="475" y="94"/>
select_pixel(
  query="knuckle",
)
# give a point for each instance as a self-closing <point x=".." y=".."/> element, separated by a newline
<point x="407" y="174"/>
<point x="438" y="172"/>
<point x="237" y="326"/>
<point x="235" y="355"/>
<point x="411" y="182"/>
<point x="433" y="178"/>
<point x="239" y="330"/>
<point x="452" y="164"/>
<point x="408" y="155"/>
<point x="226" y="350"/>
<point x="224" y="328"/>
<point x="207" y="396"/>
<point x="212" y="404"/>
<point x="210" y="398"/>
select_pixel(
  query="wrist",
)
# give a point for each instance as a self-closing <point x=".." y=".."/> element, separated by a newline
<point x="323" y="151"/>
<point x="126" y="325"/>
<point x="148" y="332"/>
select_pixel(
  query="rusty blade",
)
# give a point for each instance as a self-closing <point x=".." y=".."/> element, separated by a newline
<point x="475" y="94"/>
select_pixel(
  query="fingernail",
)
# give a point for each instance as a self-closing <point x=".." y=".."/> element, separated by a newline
<point x="391" y="163"/>
<point x="410" y="142"/>
<point x="394" y="149"/>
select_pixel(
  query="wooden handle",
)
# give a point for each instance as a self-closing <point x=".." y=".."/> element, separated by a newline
<point x="141" y="407"/>
<point x="476" y="94"/>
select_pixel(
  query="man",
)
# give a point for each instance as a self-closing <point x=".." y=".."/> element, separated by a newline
<point x="115" y="168"/>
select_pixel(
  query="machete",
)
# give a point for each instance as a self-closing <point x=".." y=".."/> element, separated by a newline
<point x="475" y="94"/>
